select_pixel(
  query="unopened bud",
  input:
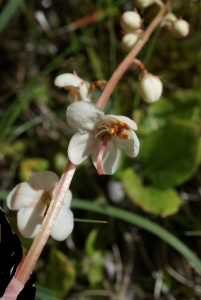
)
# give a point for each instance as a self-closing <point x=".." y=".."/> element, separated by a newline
<point x="128" y="41"/>
<point x="169" y="19"/>
<point x="150" y="88"/>
<point x="143" y="3"/>
<point x="130" y="21"/>
<point x="180" y="29"/>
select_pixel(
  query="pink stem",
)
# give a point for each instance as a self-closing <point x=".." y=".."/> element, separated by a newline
<point x="100" y="155"/>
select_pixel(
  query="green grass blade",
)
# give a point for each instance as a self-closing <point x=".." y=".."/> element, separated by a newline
<point x="142" y="222"/>
<point x="7" y="13"/>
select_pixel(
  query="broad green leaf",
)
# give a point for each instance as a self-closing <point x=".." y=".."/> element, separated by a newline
<point x="180" y="106"/>
<point x="153" y="200"/>
<point x="60" y="274"/>
<point x="171" y="154"/>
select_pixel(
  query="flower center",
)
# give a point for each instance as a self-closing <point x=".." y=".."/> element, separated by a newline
<point x="115" y="128"/>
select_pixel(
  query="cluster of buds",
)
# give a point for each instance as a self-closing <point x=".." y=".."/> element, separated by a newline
<point x="131" y="23"/>
<point x="179" y="27"/>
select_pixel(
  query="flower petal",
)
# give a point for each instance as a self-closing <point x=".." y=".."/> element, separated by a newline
<point x="123" y="119"/>
<point x="21" y="196"/>
<point x="111" y="157"/>
<point x="131" y="146"/>
<point x="68" y="198"/>
<point x="67" y="79"/>
<point x="84" y="116"/>
<point x="29" y="220"/>
<point x="81" y="146"/>
<point x="64" y="224"/>
<point x="45" y="180"/>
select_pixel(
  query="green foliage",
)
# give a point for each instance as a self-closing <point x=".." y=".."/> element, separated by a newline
<point x="93" y="265"/>
<point x="61" y="274"/>
<point x="171" y="154"/>
<point x="151" y="199"/>
<point x="31" y="165"/>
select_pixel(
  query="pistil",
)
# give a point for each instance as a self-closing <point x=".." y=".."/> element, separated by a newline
<point x="100" y="155"/>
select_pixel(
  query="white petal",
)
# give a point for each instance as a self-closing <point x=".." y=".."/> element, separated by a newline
<point x="67" y="79"/>
<point x="84" y="88"/>
<point x="111" y="157"/>
<point x="64" y="224"/>
<point x="45" y="180"/>
<point x="84" y="116"/>
<point x="29" y="220"/>
<point x="123" y="119"/>
<point x="131" y="146"/>
<point x="21" y="196"/>
<point x="68" y="198"/>
<point x="81" y="146"/>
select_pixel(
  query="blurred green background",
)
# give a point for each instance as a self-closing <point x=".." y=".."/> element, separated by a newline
<point x="150" y="247"/>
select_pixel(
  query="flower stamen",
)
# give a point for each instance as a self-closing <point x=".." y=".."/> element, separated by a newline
<point x="100" y="156"/>
<point x="117" y="127"/>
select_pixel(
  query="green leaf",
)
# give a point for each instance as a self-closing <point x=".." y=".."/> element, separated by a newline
<point x="60" y="274"/>
<point x="142" y="222"/>
<point x="44" y="293"/>
<point x="30" y="165"/>
<point x="150" y="199"/>
<point x="171" y="154"/>
<point x="90" y="242"/>
<point x="7" y="12"/>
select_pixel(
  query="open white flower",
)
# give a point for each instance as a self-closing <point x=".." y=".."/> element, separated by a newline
<point x="32" y="200"/>
<point x="101" y="136"/>
<point x="76" y="86"/>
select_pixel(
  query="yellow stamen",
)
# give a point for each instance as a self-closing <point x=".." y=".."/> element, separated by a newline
<point x="117" y="127"/>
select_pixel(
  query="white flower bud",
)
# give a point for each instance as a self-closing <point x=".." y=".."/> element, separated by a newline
<point x="180" y="29"/>
<point x="169" y="19"/>
<point x="130" y="20"/>
<point x="128" y="41"/>
<point x="150" y="88"/>
<point x="143" y="3"/>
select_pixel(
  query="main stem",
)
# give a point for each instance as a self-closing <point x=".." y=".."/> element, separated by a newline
<point x="45" y="230"/>
<point x="64" y="183"/>
<point x="128" y="60"/>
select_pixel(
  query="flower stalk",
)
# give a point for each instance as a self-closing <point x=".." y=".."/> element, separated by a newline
<point x="64" y="183"/>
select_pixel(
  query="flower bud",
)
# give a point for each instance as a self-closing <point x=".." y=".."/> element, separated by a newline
<point x="150" y="88"/>
<point x="128" y="41"/>
<point x="130" y="20"/>
<point x="180" y="29"/>
<point x="169" y="19"/>
<point x="143" y="3"/>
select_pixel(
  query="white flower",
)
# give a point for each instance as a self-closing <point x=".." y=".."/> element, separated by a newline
<point x="128" y="41"/>
<point x="180" y="29"/>
<point x="32" y="200"/>
<point x="101" y="136"/>
<point x="130" y="20"/>
<point x="77" y="87"/>
<point x="150" y="88"/>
